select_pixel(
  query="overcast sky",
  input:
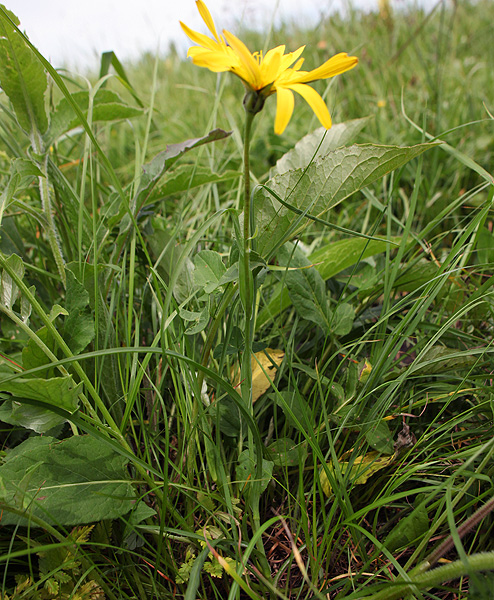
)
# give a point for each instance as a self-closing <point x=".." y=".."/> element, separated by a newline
<point x="77" y="32"/>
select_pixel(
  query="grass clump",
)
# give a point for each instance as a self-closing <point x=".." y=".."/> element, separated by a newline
<point x="132" y="465"/>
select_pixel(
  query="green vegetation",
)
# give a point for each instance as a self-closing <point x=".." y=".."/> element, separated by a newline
<point x="132" y="465"/>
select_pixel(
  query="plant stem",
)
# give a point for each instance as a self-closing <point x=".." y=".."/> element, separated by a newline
<point x="246" y="280"/>
<point x="431" y="579"/>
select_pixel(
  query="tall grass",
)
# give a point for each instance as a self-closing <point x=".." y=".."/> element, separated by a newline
<point x="409" y="380"/>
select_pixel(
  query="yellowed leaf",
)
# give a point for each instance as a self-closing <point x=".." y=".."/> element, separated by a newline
<point x="264" y="366"/>
<point x="362" y="468"/>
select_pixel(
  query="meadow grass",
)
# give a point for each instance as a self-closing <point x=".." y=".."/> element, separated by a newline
<point x="376" y="434"/>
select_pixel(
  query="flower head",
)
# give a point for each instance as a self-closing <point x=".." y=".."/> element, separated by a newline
<point x="273" y="73"/>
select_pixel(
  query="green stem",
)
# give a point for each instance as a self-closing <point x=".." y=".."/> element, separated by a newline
<point x="246" y="280"/>
<point x="213" y="330"/>
<point x="246" y="286"/>
<point x="431" y="579"/>
<point x="467" y="526"/>
<point x="45" y="193"/>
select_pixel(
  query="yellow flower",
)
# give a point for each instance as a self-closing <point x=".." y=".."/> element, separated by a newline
<point x="274" y="73"/>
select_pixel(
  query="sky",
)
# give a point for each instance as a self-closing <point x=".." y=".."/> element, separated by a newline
<point x="75" y="33"/>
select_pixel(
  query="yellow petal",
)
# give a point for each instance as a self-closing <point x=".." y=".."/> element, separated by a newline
<point x="211" y="59"/>
<point x="334" y="66"/>
<point x="315" y="101"/>
<point x="270" y="65"/>
<point x="248" y="61"/>
<point x="207" y="18"/>
<point x="284" y="109"/>
<point x="291" y="57"/>
<point x="199" y="38"/>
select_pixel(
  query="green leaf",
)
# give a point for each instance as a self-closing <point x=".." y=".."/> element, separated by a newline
<point x="318" y="143"/>
<point x="166" y="251"/>
<point x="107" y="106"/>
<point x="246" y="471"/>
<point x="153" y="170"/>
<point x="188" y="177"/>
<point x="380" y="438"/>
<point x="296" y="410"/>
<point x="93" y="281"/>
<point x="21" y="174"/>
<point x="11" y="242"/>
<point x="152" y="173"/>
<point x="485" y="246"/>
<point x="284" y="452"/>
<point x="439" y="359"/>
<point x="480" y="585"/>
<point x="78" y="480"/>
<point x="57" y="391"/>
<point x="209" y="270"/>
<point x="360" y="469"/>
<point x="8" y="288"/>
<point x="306" y="287"/>
<point x="328" y="261"/>
<point x="110" y="59"/>
<point x="343" y="318"/>
<point x="79" y="325"/>
<point x="324" y="184"/>
<point x="201" y="321"/>
<point x="227" y="415"/>
<point x="409" y="529"/>
<point x="31" y="417"/>
<point x="22" y="77"/>
<point x="33" y="356"/>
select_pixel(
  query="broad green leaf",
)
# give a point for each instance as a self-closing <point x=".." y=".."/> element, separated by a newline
<point x="86" y="274"/>
<point x="11" y="242"/>
<point x="132" y="538"/>
<point x="107" y="106"/>
<point x="150" y="175"/>
<point x="284" y="453"/>
<point x="22" y="77"/>
<point x="79" y="324"/>
<point x="416" y="276"/>
<point x="409" y="529"/>
<point x="188" y="177"/>
<point x="200" y="322"/>
<point x="328" y="261"/>
<point x="485" y="246"/>
<point x="317" y="144"/>
<point x="209" y="270"/>
<point x="227" y="415"/>
<point x="57" y="391"/>
<point x="78" y="480"/>
<point x="33" y="356"/>
<point x="31" y="417"/>
<point x="343" y="317"/>
<point x="153" y="170"/>
<point x="246" y="471"/>
<point x="360" y="469"/>
<point x="440" y="359"/>
<point x="26" y="307"/>
<point x="324" y="184"/>
<point x="8" y="287"/>
<point x="380" y="438"/>
<point x="21" y="174"/>
<point x="296" y="410"/>
<point x="166" y="251"/>
<point x="480" y="585"/>
<point x="306" y="287"/>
